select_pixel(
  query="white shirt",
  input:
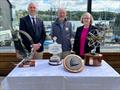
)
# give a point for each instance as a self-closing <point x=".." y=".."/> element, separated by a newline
<point x="31" y="18"/>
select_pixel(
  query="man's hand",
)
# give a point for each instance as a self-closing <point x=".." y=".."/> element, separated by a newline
<point x="36" y="46"/>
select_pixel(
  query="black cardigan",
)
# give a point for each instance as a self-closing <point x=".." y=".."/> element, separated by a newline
<point x="76" y="45"/>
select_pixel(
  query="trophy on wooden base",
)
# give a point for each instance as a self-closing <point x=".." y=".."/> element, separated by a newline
<point x="94" y="40"/>
<point x="26" y="56"/>
<point x="55" y="49"/>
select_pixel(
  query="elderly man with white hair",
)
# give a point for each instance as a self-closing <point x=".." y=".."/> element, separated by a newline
<point x="34" y="27"/>
<point x="62" y="29"/>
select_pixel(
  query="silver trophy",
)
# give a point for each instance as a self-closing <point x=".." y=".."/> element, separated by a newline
<point x="55" y="49"/>
<point x="72" y="42"/>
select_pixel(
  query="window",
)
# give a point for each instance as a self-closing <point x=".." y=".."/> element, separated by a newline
<point x="47" y="11"/>
<point x="0" y="12"/>
<point x="5" y="33"/>
<point x="0" y="18"/>
<point x="107" y="14"/>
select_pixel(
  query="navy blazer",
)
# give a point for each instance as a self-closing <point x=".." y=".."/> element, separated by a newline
<point x="76" y="45"/>
<point x="38" y="35"/>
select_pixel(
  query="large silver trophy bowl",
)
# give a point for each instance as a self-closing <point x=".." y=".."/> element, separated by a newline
<point x="55" y="49"/>
<point x="95" y="39"/>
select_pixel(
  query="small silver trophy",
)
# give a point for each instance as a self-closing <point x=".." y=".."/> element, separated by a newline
<point x="72" y="42"/>
<point x="55" y="49"/>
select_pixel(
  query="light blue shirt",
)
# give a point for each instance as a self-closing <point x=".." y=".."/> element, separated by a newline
<point x="32" y="19"/>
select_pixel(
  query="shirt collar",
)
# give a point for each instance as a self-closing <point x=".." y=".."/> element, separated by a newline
<point x="32" y="16"/>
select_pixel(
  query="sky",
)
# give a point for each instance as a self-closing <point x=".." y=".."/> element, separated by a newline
<point x="73" y="5"/>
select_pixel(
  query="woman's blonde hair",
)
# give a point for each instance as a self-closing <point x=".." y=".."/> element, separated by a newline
<point x="91" y="17"/>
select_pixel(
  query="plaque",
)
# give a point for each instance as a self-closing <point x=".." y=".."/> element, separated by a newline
<point x="73" y="63"/>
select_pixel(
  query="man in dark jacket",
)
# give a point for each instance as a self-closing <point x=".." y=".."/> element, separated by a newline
<point x="34" y="27"/>
<point x="62" y="29"/>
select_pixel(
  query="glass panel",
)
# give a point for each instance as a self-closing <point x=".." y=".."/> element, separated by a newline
<point x="47" y="11"/>
<point x="107" y="15"/>
<point x="0" y="18"/>
<point x="105" y="12"/>
<point x="6" y="43"/>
